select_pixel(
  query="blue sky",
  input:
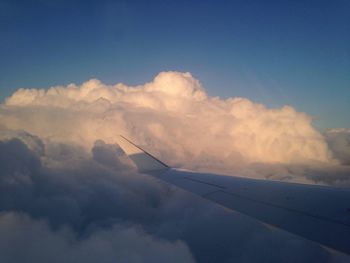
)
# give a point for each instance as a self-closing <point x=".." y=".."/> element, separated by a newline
<point x="273" y="52"/>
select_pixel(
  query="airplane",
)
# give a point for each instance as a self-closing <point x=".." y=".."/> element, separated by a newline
<point x="314" y="212"/>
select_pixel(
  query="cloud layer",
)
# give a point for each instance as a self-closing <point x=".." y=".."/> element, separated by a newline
<point x="68" y="192"/>
<point x="26" y="240"/>
<point x="166" y="114"/>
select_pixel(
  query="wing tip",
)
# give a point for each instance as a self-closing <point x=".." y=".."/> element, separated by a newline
<point x="144" y="161"/>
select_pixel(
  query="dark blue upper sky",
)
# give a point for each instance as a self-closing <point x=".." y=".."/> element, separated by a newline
<point x="273" y="52"/>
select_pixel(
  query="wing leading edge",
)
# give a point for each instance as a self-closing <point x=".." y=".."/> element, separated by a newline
<point x="317" y="213"/>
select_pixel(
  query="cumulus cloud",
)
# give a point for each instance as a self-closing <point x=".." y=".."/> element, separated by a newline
<point x="93" y="208"/>
<point x="339" y="142"/>
<point x="63" y="175"/>
<point x="166" y="114"/>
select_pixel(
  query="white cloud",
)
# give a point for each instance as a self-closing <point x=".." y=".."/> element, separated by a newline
<point x="173" y="117"/>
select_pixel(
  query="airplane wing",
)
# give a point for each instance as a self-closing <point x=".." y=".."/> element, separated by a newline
<point x="317" y="213"/>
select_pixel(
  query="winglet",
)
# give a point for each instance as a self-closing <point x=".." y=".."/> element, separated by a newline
<point x="145" y="162"/>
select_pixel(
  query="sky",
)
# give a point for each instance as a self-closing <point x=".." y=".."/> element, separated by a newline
<point x="272" y="52"/>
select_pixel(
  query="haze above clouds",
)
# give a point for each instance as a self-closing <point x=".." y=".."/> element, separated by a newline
<point x="66" y="184"/>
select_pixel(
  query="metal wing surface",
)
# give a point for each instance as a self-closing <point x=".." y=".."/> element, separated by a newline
<point x="318" y="213"/>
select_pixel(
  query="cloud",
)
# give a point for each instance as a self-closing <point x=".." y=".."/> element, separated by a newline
<point x="339" y="142"/>
<point x="23" y="239"/>
<point x="166" y="114"/>
<point x="63" y="175"/>
<point x="70" y="206"/>
<point x="93" y="208"/>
